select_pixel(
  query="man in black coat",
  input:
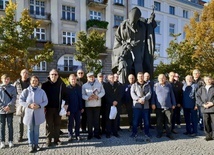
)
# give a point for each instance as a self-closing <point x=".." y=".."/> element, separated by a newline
<point x="113" y="96"/>
<point x="205" y="99"/>
<point x="55" y="90"/>
<point x="197" y="80"/>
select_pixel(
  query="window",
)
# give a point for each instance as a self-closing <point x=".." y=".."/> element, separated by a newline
<point x="95" y="15"/>
<point x="157" y="6"/>
<point x="39" y="33"/>
<point x="118" y="1"/>
<point x="68" y="63"/>
<point x="98" y="1"/>
<point x="117" y="20"/>
<point x="157" y="50"/>
<point x="172" y="10"/>
<point x="140" y="2"/>
<point x="42" y="66"/>
<point x="37" y="7"/>
<point x="3" y="4"/>
<point x="68" y="38"/>
<point x="68" y="13"/>
<point x="185" y="13"/>
<point x="157" y="29"/>
<point x="171" y="29"/>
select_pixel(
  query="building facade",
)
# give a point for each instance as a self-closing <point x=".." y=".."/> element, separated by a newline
<point x="63" y="19"/>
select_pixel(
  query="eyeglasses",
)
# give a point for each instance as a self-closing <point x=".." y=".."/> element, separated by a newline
<point x="55" y="74"/>
<point x="80" y="73"/>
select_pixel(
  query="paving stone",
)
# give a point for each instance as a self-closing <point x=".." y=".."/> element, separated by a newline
<point x="182" y="145"/>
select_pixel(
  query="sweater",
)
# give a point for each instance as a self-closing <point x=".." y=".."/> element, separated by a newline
<point x="163" y="96"/>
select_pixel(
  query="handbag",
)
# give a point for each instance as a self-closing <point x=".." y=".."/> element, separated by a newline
<point x="12" y="107"/>
<point x="113" y="112"/>
<point x="20" y="110"/>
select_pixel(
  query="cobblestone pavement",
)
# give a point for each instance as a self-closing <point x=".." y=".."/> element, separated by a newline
<point x="182" y="145"/>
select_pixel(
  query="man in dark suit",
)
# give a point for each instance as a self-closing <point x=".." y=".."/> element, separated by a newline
<point x="112" y="97"/>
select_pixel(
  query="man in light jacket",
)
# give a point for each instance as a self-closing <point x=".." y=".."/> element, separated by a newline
<point x="92" y="92"/>
<point x="140" y="93"/>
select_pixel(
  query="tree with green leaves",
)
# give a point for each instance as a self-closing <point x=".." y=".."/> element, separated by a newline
<point x="88" y="49"/>
<point x="197" y="50"/>
<point x="18" y="45"/>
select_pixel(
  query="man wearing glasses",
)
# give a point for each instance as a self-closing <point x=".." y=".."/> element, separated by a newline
<point x="55" y="90"/>
<point x="80" y="81"/>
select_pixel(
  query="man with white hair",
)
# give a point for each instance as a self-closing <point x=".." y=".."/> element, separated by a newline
<point x="92" y="92"/>
<point x="197" y="80"/>
<point x="163" y="100"/>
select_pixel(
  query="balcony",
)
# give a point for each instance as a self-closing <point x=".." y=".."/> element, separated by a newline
<point x="98" y="4"/>
<point x="41" y="43"/>
<point x="69" y="21"/>
<point x="43" y="16"/>
<point x="66" y="68"/>
<point x="98" y="25"/>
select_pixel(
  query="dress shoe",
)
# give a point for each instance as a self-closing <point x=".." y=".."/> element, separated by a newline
<point x="170" y="137"/>
<point x="108" y="136"/>
<point x="193" y="135"/>
<point x="159" y="136"/>
<point x="70" y="139"/>
<point x="208" y="138"/>
<point x="178" y="126"/>
<point x="175" y="132"/>
<point x="57" y="142"/>
<point x="186" y="133"/>
<point x="133" y="135"/>
<point x="61" y="133"/>
<point x="19" y="139"/>
<point x="97" y="136"/>
<point x="151" y="127"/>
<point x="89" y="137"/>
<point x="116" y="135"/>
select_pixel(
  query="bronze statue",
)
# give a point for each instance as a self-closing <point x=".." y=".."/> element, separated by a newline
<point x="134" y="45"/>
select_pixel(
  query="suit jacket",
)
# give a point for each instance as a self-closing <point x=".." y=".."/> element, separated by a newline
<point x="112" y="93"/>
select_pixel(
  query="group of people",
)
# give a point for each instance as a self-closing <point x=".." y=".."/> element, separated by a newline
<point x="89" y="99"/>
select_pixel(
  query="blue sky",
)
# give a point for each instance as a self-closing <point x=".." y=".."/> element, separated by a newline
<point x="206" y="0"/>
